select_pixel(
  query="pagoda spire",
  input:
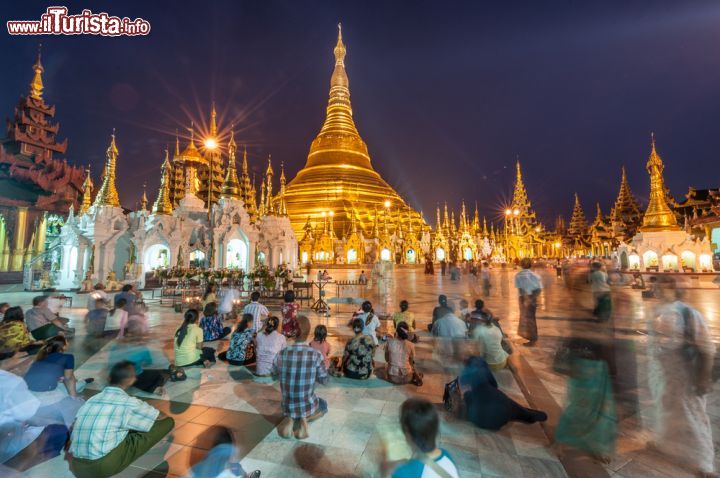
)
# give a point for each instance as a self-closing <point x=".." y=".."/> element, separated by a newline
<point x="107" y="194"/>
<point x="87" y="193"/>
<point x="282" y="207"/>
<point x="143" y="198"/>
<point x="438" y="222"/>
<point x="177" y="144"/>
<point x="231" y="185"/>
<point x="463" y="217"/>
<point x="485" y="229"/>
<point x="520" y="198"/>
<point x="658" y="216"/>
<point x="339" y="129"/>
<point x="213" y="122"/>
<point x="162" y="205"/>
<point x="476" y="220"/>
<point x="269" y="173"/>
<point x="598" y="214"/>
<point x="36" y="85"/>
<point x="578" y="222"/>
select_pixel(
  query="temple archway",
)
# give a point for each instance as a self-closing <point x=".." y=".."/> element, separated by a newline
<point x="411" y="256"/>
<point x="467" y="254"/>
<point x="352" y="256"/>
<point x="440" y="254"/>
<point x="156" y="256"/>
<point x="687" y="259"/>
<point x="633" y="261"/>
<point x="669" y="262"/>
<point x="197" y="258"/>
<point x="650" y="259"/>
<point x="624" y="264"/>
<point x="385" y="254"/>
<point x="236" y="254"/>
<point x="304" y="257"/>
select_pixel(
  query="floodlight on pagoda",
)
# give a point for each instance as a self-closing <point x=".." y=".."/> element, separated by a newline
<point x="516" y="212"/>
<point x="508" y="212"/>
<point x="332" y="213"/>
<point x="387" y="203"/>
<point x="210" y="143"/>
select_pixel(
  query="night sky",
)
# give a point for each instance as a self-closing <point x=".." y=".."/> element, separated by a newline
<point x="446" y="94"/>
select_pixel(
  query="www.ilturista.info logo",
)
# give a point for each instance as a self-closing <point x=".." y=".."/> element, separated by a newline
<point x="56" y="21"/>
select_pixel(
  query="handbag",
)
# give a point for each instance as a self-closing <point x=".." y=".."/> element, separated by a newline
<point x="437" y="469"/>
<point x="453" y="399"/>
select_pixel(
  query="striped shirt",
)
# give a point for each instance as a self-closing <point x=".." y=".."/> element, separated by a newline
<point x="104" y="421"/>
<point x="299" y="368"/>
<point x="257" y="310"/>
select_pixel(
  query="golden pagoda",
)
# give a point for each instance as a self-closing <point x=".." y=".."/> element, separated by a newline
<point x="107" y="194"/>
<point x="658" y="216"/>
<point x="338" y="176"/>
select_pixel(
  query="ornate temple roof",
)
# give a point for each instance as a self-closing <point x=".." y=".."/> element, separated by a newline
<point x="658" y="216"/>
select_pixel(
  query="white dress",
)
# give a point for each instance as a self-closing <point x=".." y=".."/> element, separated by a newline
<point x="681" y="425"/>
<point x="228" y="299"/>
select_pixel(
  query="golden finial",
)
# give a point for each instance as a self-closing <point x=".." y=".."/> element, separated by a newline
<point x="231" y="185"/>
<point x="87" y="193"/>
<point x="177" y="144"/>
<point x="245" y="162"/>
<point x="107" y="194"/>
<point x="36" y="85"/>
<point x="339" y="50"/>
<point x="163" y="205"/>
<point x="658" y="216"/>
<point x="269" y="171"/>
<point x="143" y="198"/>
<point x="213" y="121"/>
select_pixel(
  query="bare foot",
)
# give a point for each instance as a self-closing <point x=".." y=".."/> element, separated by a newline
<point x="285" y="428"/>
<point x="301" y="432"/>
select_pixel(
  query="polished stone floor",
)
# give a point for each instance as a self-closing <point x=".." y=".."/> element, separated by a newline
<point x="361" y="427"/>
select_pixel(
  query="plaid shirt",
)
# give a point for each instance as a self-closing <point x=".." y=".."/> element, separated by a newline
<point x="104" y="421"/>
<point x="299" y="367"/>
<point x="257" y="310"/>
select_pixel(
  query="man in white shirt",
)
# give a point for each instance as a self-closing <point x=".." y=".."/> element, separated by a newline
<point x="25" y="440"/>
<point x="600" y="287"/>
<point x="257" y="310"/>
<point x="529" y="287"/>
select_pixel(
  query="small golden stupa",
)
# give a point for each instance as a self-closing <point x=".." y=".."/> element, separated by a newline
<point x="338" y="177"/>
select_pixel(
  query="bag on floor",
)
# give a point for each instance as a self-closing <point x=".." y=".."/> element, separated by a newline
<point x="177" y="374"/>
<point x="453" y="399"/>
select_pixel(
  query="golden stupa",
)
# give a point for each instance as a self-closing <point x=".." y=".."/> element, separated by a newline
<point x="338" y="178"/>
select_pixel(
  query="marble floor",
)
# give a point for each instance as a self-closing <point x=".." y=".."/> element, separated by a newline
<point x="361" y="429"/>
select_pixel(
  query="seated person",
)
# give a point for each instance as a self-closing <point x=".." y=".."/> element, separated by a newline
<point x="400" y="357"/>
<point x="358" y="357"/>
<point x="43" y="323"/>
<point x="299" y="368"/>
<point x="490" y="337"/>
<point x="128" y="293"/>
<point x="210" y="294"/>
<point x="96" y="319"/>
<point x="229" y="298"/>
<point x="441" y="310"/>
<point x="420" y="424"/>
<point x="51" y="378"/>
<point x="488" y="407"/>
<point x="129" y="427"/>
<point x="188" y="344"/>
<point x="242" y="348"/>
<point x="25" y="441"/>
<point x="211" y="324"/>
<point x="150" y="380"/>
<point x="464" y="312"/>
<point x="320" y="344"/>
<point x="267" y="345"/>
<point x="98" y="293"/>
<point x="370" y="321"/>
<point x="408" y="317"/>
<point x="14" y="334"/>
<point x="290" y="326"/>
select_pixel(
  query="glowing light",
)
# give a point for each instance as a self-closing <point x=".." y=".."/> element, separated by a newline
<point x="210" y="143"/>
<point x="557" y="245"/>
<point x="508" y="212"/>
<point x="332" y="213"/>
<point x="387" y="203"/>
<point x="516" y="212"/>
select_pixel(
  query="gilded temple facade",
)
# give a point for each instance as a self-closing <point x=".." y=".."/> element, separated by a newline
<point x="104" y="243"/>
<point x="36" y="188"/>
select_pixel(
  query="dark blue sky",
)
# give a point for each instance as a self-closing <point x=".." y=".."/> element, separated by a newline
<point x="446" y="94"/>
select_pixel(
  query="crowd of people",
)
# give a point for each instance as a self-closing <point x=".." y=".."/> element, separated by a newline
<point x="45" y="410"/>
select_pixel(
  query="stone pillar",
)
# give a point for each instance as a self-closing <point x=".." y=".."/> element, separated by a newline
<point x="4" y="247"/>
<point x="41" y="234"/>
<point x="20" y="229"/>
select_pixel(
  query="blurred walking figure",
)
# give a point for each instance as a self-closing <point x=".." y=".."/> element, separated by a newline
<point x="485" y="279"/>
<point x="680" y="375"/>
<point x="589" y="422"/>
<point x="600" y="287"/>
<point x="529" y="287"/>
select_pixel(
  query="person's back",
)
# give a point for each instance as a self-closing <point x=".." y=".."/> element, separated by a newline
<point x="599" y="282"/>
<point x="299" y="364"/>
<point x="38" y="316"/>
<point x="450" y="326"/>
<point x="490" y="338"/>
